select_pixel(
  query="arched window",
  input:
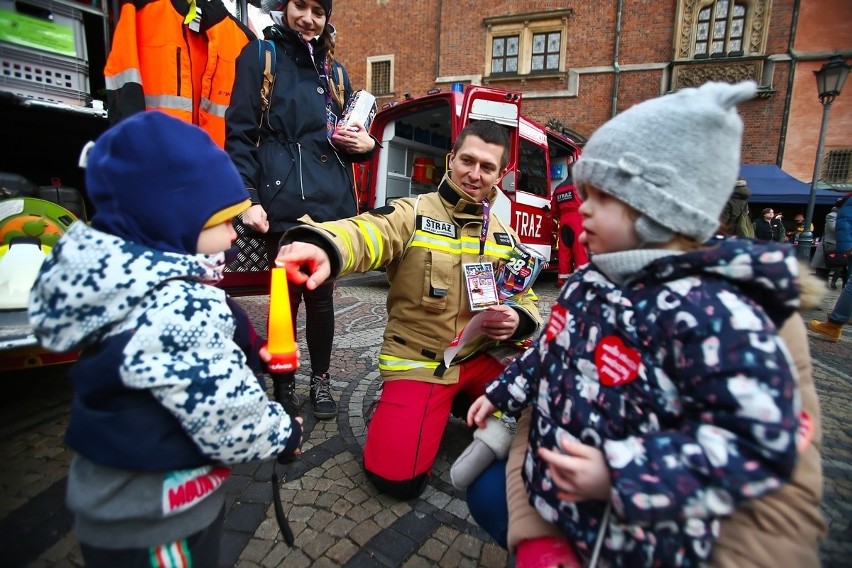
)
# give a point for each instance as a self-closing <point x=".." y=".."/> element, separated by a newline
<point x="720" y="29"/>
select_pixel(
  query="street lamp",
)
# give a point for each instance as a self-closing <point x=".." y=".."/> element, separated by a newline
<point x="830" y="79"/>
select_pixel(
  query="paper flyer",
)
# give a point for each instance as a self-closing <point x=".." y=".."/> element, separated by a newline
<point x="471" y="330"/>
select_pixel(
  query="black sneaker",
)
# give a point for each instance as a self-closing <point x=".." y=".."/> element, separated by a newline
<point x="284" y="392"/>
<point x="321" y="399"/>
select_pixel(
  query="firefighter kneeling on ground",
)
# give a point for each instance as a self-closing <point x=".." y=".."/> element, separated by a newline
<point x="425" y="243"/>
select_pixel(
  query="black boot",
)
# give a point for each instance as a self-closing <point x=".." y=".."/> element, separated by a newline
<point x="284" y="392"/>
<point x="321" y="399"/>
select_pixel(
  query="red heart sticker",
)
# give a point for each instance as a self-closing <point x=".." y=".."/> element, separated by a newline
<point x="555" y="323"/>
<point x="524" y="272"/>
<point x="617" y="364"/>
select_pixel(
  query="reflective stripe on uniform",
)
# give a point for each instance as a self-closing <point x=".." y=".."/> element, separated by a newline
<point x="215" y="109"/>
<point x="374" y="241"/>
<point x="435" y="242"/>
<point x="391" y="363"/>
<point x="347" y="242"/>
<point x="117" y="81"/>
<point x="170" y="102"/>
<point x="464" y="245"/>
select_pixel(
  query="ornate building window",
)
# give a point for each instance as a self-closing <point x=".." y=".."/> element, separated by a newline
<point x="721" y="40"/>
<point x="720" y="29"/>
<point x="526" y="44"/>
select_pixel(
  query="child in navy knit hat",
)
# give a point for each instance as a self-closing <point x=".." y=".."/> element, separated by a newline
<point x="662" y="395"/>
<point x="165" y="392"/>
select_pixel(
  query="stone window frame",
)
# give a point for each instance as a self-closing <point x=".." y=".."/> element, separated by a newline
<point x="755" y="34"/>
<point x="370" y="86"/>
<point x="735" y="12"/>
<point x="525" y="26"/>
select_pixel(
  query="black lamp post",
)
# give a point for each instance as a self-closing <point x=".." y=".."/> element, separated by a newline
<point x="830" y="79"/>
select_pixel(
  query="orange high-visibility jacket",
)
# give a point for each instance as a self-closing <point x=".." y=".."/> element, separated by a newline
<point x="157" y="62"/>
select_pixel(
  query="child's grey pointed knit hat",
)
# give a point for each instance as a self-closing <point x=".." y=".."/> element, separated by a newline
<point x="675" y="159"/>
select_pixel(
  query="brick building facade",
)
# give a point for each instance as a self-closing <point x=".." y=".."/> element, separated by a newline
<point x="579" y="63"/>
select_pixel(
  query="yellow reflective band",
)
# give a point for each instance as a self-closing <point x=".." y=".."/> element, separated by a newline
<point x="500" y="251"/>
<point x="424" y="237"/>
<point x="391" y="363"/>
<point x="190" y="15"/>
<point x="465" y="245"/>
<point x="373" y="239"/>
<point x="347" y="242"/>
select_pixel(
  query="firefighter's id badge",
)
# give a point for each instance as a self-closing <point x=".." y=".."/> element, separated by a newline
<point x="481" y="285"/>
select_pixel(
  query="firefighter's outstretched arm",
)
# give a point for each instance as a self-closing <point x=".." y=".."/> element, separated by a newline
<point x="305" y="263"/>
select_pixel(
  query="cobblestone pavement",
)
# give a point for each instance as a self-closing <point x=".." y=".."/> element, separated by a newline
<point x="336" y="515"/>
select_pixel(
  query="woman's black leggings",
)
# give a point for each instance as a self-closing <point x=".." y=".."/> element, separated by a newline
<point x="319" y="312"/>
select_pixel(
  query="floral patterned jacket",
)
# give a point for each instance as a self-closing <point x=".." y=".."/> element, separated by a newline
<point x="678" y="375"/>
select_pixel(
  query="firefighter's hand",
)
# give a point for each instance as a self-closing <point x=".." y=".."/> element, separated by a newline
<point x="255" y="218"/>
<point x="353" y="139"/>
<point x="501" y="322"/>
<point x="305" y="263"/>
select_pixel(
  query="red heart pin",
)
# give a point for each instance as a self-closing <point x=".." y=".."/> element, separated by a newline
<point x="617" y="364"/>
<point x="556" y="322"/>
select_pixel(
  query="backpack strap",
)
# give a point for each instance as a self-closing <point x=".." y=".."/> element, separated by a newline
<point x="341" y="88"/>
<point x="266" y="52"/>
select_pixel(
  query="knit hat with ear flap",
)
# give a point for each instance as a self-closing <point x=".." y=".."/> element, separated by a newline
<point x="675" y="159"/>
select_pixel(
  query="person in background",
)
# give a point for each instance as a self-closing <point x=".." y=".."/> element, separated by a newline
<point x="827" y="246"/>
<point x="425" y="243"/>
<point x="287" y="161"/>
<point x="649" y="392"/>
<point x="798" y="228"/>
<point x="832" y="328"/>
<point x="572" y="254"/>
<point x="736" y="207"/>
<point x="769" y="227"/>
<point x="166" y="388"/>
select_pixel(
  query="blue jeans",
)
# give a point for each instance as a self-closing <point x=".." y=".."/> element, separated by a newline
<point x="486" y="500"/>
<point x="843" y="308"/>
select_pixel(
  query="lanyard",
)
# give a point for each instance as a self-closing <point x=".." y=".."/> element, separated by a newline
<point x="323" y="77"/>
<point x="483" y="235"/>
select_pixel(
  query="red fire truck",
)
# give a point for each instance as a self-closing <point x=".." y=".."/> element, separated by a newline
<point x="417" y="135"/>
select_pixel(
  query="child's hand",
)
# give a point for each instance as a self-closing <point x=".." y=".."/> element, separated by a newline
<point x="479" y="411"/>
<point x="581" y="475"/>
<point x="265" y="355"/>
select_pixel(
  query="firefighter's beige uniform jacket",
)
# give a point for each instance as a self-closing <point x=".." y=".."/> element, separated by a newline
<point x="423" y="243"/>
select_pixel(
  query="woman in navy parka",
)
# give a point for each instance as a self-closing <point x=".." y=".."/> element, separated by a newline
<point x="289" y="165"/>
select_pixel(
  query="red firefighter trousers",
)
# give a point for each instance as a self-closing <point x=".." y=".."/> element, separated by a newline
<point x="406" y="430"/>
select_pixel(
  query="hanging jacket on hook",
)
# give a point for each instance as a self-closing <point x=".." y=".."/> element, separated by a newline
<point x="159" y="61"/>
